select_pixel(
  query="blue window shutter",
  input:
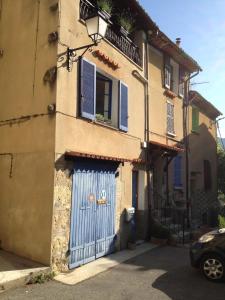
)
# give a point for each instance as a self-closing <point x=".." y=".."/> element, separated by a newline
<point x="123" y="106"/>
<point x="177" y="171"/>
<point x="87" y="89"/>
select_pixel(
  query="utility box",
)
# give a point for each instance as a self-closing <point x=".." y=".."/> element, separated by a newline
<point x="130" y="214"/>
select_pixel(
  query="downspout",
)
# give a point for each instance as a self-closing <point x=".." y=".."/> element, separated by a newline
<point x="186" y="142"/>
<point x="145" y="80"/>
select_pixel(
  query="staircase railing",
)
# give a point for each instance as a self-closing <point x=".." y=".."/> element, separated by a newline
<point x="172" y="217"/>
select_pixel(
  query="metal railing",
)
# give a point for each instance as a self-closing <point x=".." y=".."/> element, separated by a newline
<point x="123" y="43"/>
<point x="174" y="218"/>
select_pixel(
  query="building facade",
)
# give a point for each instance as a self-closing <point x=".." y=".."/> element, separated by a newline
<point x="81" y="147"/>
<point x="202" y="141"/>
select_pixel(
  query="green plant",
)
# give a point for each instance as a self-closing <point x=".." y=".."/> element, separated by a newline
<point x="100" y="117"/>
<point x="221" y="221"/>
<point x="105" y="5"/>
<point x="126" y="20"/>
<point x="159" y="231"/>
<point x="41" y="278"/>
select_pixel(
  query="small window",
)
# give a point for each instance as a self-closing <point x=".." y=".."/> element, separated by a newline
<point x="103" y="97"/>
<point x="181" y="82"/>
<point x="207" y="175"/>
<point x="195" y="119"/>
<point x="168" y="76"/>
<point x="171" y="75"/>
<point x="174" y="76"/>
<point x="170" y="118"/>
<point x="178" y="172"/>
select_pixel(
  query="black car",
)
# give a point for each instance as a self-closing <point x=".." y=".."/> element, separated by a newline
<point x="208" y="254"/>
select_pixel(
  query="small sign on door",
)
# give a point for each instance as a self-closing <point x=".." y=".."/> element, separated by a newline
<point x="102" y="199"/>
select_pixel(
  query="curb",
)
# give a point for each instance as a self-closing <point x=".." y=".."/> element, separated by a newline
<point x="23" y="280"/>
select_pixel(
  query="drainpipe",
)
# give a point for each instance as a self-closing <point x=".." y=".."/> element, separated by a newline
<point x="186" y="142"/>
<point x="145" y="81"/>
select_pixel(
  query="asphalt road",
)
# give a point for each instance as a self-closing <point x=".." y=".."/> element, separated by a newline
<point x="163" y="273"/>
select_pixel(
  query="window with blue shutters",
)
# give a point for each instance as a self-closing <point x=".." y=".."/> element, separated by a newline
<point x="178" y="172"/>
<point x="123" y="108"/>
<point x="103" y="98"/>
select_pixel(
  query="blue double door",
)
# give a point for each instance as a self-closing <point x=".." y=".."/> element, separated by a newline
<point x="92" y="232"/>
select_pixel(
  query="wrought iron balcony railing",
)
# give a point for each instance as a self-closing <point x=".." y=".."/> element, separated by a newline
<point x="123" y="43"/>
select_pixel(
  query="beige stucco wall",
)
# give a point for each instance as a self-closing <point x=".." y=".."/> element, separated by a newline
<point x="79" y="134"/>
<point x="158" y="103"/>
<point x="76" y="134"/>
<point x="26" y="198"/>
<point x="158" y="127"/>
<point x="203" y="147"/>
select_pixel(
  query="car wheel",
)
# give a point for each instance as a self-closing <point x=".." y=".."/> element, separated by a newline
<point x="213" y="267"/>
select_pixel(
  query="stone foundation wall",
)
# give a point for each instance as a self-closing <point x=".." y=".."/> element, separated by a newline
<point x="61" y="216"/>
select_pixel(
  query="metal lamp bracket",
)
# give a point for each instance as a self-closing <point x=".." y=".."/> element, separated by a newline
<point x="72" y="53"/>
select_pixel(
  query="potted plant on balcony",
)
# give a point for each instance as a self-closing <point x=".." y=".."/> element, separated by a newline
<point x="105" y="8"/>
<point x="126" y="22"/>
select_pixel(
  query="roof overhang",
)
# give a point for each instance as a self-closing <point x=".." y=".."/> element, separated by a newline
<point x="204" y="105"/>
<point x="74" y="154"/>
<point x="172" y="150"/>
<point x="161" y="41"/>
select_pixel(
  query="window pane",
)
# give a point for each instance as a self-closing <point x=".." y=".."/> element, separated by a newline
<point x="103" y="97"/>
<point x="167" y="76"/>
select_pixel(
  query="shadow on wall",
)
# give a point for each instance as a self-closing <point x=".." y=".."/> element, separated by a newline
<point x="203" y="197"/>
<point x="203" y="147"/>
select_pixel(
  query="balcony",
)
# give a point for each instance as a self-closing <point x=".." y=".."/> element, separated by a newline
<point x="113" y="35"/>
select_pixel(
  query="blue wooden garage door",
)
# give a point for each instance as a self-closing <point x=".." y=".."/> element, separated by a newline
<point x="93" y="212"/>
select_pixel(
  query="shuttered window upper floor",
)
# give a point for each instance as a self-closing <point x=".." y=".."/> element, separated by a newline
<point x="102" y="98"/>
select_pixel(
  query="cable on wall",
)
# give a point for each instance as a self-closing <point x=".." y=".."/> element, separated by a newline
<point x="11" y="162"/>
<point x="22" y="119"/>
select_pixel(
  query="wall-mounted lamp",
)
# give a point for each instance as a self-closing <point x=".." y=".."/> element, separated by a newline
<point x="96" y="29"/>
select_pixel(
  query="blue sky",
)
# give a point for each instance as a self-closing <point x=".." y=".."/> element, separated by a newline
<point x="201" y="26"/>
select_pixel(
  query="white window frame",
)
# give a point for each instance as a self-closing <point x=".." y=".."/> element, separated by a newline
<point x="167" y="76"/>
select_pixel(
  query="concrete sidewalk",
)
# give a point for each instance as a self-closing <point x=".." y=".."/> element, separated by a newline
<point x="16" y="271"/>
<point x="101" y="265"/>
